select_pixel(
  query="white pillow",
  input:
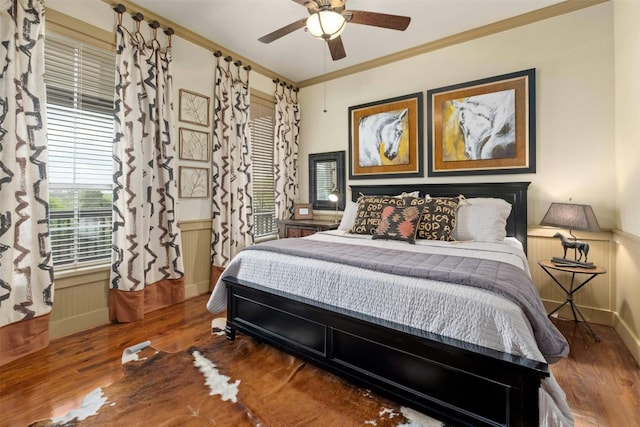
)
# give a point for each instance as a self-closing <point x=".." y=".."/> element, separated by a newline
<point x="349" y="216"/>
<point x="482" y="220"/>
<point x="411" y="194"/>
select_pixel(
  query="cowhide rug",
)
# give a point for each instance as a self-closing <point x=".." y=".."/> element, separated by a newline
<point x="231" y="383"/>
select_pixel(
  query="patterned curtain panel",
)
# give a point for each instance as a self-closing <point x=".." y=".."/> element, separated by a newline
<point x="147" y="267"/>
<point x="286" y="140"/>
<point x="231" y="169"/>
<point x="26" y="266"/>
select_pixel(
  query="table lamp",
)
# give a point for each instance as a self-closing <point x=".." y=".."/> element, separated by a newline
<point x="572" y="217"/>
<point x="334" y="197"/>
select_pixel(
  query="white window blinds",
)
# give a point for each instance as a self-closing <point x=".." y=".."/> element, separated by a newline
<point x="325" y="179"/>
<point x="80" y="92"/>
<point x="264" y="208"/>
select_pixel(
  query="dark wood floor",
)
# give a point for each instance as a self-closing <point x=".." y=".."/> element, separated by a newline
<point x="601" y="380"/>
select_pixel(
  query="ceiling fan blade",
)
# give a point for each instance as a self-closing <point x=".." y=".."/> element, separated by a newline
<point x="281" y="32"/>
<point x="309" y="4"/>
<point x="314" y="5"/>
<point x="392" y="22"/>
<point x="336" y="48"/>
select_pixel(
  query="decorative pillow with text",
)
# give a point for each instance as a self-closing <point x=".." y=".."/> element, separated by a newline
<point x="438" y="217"/>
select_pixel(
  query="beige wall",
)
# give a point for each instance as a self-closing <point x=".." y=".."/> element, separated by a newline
<point x="626" y="15"/>
<point x="627" y="107"/>
<point x="573" y="57"/>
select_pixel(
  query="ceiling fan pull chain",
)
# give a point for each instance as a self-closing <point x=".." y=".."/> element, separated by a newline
<point x="324" y="71"/>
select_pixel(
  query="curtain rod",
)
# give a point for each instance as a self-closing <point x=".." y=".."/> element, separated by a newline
<point x="195" y="38"/>
<point x="228" y="58"/>
<point x="138" y="17"/>
<point x="283" y="83"/>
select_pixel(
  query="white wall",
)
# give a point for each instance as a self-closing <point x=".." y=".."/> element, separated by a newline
<point x="192" y="66"/>
<point x="573" y="57"/>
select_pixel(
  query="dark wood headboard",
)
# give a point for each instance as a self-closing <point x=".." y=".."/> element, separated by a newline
<point x="513" y="192"/>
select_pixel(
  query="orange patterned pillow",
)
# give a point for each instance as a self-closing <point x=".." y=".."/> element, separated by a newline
<point x="398" y="223"/>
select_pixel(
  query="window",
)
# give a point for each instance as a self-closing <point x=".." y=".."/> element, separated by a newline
<point x="264" y="206"/>
<point x="80" y="93"/>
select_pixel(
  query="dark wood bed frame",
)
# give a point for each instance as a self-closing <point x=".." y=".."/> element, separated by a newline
<point x="454" y="381"/>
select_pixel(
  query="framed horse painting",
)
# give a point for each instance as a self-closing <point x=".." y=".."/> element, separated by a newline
<point x="483" y="127"/>
<point x="386" y="138"/>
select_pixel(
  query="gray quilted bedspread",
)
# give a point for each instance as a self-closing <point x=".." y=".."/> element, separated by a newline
<point x="498" y="277"/>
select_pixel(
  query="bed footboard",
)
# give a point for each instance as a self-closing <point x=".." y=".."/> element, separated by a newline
<point x="457" y="382"/>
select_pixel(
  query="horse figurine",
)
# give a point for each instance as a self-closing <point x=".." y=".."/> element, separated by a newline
<point x="581" y="247"/>
<point x="377" y="129"/>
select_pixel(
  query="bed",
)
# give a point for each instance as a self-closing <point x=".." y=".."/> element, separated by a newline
<point x="463" y="375"/>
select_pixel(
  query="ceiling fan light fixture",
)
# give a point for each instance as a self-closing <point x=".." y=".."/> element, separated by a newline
<point x="326" y="24"/>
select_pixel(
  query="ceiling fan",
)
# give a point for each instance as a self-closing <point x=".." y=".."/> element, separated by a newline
<point x="327" y="19"/>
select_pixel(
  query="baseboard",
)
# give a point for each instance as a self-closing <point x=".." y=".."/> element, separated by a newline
<point x="602" y="317"/>
<point x="195" y="289"/>
<point x="593" y="314"/>
<point x="82" y="322"/>
<point x="628" y="337"/>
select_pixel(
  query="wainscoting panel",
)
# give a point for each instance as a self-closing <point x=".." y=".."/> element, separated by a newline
<point x="595" y="300"/>
<point x="80" y="301"/>
<point x="196" y="243"/>
<point x="81" y="296"/>
<point x="627" y="322"/>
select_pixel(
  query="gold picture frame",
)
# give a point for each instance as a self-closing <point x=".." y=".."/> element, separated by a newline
<point x="386" y="138"/>
<point x="302" y="211"/>
<point x="483" y="126"/>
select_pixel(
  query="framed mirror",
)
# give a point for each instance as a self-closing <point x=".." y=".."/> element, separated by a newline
<point x="326" y="174"/>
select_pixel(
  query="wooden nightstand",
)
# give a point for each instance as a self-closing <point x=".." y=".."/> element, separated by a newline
<point x="548" y="266"/>
<point x="304" y="227"/>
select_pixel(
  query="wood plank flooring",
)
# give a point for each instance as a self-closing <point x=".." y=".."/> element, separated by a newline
<point x="601" y="380"/>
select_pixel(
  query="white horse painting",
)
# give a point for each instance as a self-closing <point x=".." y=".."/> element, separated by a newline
<point x="377" y="129"/>
<point x="487" y="123"/>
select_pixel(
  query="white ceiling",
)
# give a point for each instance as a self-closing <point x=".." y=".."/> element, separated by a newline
<point x="237" y="24"/>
